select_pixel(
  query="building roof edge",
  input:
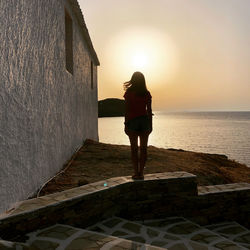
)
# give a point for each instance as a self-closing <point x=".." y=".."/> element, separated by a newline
<point x="79" y="15"/>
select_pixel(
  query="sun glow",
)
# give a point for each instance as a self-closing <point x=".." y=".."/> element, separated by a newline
<point x="143" y="49"/>
<point x="140" y="60"/>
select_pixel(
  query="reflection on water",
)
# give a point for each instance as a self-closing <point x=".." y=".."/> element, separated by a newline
<point x="210" y="132"/>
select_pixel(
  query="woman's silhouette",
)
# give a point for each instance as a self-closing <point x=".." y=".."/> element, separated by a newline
<point x="138" y="120"/>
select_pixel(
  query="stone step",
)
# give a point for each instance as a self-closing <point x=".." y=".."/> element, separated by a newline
<point x="175" y="233"/>
<point x="66" y="237"/>
<point x="232" y="231"/>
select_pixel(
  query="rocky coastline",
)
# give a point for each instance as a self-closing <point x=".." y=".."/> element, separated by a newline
<point x="99" y="161"/>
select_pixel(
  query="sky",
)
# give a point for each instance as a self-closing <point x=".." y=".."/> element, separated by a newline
<point x="195" y="54"/>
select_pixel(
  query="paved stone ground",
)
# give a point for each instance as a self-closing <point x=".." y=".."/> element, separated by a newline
<point x="232" y="231"/>
<point x="62" y="237"/>
<point x="174" y="233"/>
<point x="36" y="203"/>
<point x="184" y="228"/>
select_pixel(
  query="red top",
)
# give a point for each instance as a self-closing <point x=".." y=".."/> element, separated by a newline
<point x="136" y="105"/>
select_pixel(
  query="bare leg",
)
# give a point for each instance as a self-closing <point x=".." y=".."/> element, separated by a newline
<point x="143" y="152"/>
<point x="134" y="151"/>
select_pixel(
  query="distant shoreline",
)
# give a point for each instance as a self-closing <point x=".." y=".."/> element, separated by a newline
<point x="111" y="107"/>
<point x="115" y="107"/>
<point x="209" y="132"/>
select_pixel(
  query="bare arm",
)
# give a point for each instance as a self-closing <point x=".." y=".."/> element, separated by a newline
<point x="126" y="111"/>
<point x="150" y="114"/>
<point x="126" y="117"/>
<point x="149" y="108"/>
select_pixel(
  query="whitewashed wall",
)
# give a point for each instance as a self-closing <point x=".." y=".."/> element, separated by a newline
<point x="45" y="112"/>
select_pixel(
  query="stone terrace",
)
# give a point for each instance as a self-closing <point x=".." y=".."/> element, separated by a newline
<point x="156" y="197"/>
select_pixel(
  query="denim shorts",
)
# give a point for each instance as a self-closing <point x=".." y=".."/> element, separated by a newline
<point x="139" y="124"/>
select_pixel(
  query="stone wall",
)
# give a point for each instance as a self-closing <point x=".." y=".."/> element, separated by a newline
<point x="46" y="112"/>
<point x="158" y="196"/>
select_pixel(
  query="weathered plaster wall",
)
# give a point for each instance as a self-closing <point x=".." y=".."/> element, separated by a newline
<point x="45" y="112"/>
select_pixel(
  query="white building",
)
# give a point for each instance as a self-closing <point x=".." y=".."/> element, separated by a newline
<point x="48" y="92"/>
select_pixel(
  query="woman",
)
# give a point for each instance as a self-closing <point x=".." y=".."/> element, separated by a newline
<point x="138" y="120"/>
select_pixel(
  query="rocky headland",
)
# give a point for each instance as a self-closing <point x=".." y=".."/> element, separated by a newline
<point x="111" y="107"/>
<point x="98" y="161"/>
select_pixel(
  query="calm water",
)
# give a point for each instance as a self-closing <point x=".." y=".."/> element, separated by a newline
<point x="209" y="132"/>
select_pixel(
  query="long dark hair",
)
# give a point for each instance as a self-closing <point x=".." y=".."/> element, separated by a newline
<point x="137" y="84"/>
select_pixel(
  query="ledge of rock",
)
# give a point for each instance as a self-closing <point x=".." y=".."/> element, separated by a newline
<point x="99" y="161"/>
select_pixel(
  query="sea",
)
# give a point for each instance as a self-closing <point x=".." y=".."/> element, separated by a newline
<point x="225" y="133"/>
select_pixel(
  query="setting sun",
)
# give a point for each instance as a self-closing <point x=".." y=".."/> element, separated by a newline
<point x="140" y="60"/>
<point x="143" y="49"/>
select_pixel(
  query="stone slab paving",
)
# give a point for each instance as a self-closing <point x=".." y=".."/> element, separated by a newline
<point x="173" y="233"/>
<point x="186" y="229"/>
<point x="60" y="237"/>
<point x="232" y="231"/>
<point x="202" y="190"/>
<point x="36" y="203"/>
